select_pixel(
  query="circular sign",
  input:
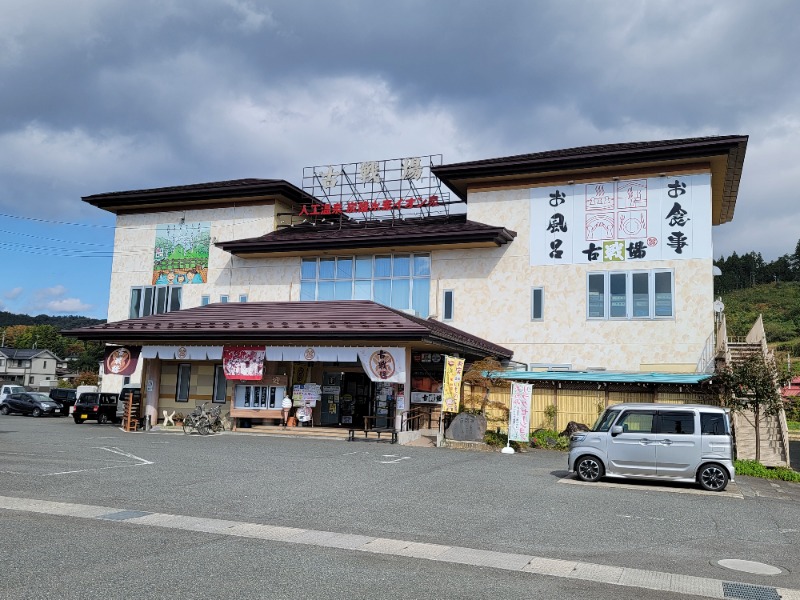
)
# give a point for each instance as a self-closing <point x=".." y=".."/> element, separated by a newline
<point x="118" y="360"/>
<point x="651" y="241"/>
<point x="309" y="354"/>
<point x="182" y="352"/>
<point x="382" y="364"/>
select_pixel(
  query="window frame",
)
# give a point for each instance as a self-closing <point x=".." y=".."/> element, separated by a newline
<point x="452" y="301"/>
<point x="184" y="374"/>
<point x="540" y="290"/>
<point x="628" y="300"/>
<point x="224" y="298"/>
<point x="151" y="297"/>
<point x="205" y="300"/>
<point x="242" y="297"/>
<point x="409" y="290"/>
<point x="220" y="382"/>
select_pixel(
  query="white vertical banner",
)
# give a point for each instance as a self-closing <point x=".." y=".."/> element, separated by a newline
<point x="519" y="418"/>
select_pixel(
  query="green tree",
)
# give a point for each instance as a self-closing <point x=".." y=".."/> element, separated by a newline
<point x="753" y="384"/>
<point x="86" y="378"/>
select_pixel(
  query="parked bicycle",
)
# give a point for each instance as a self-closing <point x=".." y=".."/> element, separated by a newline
<point x="204" y="421"/>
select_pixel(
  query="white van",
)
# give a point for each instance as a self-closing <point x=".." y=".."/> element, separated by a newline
<point x="9" y="388"/>
<point x="675" y="442"/>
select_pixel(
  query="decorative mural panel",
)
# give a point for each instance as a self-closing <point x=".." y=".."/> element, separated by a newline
<point x="658" y="218"/>
<point x="181" y="253"/>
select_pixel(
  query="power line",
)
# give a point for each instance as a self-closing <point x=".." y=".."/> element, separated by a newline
<point x="56" y="222"/>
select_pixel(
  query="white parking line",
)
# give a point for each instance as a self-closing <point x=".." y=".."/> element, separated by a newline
<point x="731" y="492"/>
<point x="521" y="563"/>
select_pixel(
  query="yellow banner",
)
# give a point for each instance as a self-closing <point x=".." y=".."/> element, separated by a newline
<point x="451" y="386"/>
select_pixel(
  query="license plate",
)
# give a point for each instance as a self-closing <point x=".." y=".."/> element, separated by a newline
<point x="56" y="410"/>
<point x="84" y="416"/>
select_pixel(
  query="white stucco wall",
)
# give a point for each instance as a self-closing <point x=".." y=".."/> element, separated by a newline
<point x="227" y="275"/>
<point x="492" y="299"/>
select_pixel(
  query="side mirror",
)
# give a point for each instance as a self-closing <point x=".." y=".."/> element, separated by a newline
<point x="616" y="430"/>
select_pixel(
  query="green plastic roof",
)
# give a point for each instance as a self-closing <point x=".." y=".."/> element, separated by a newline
<point x="606" y="377"/>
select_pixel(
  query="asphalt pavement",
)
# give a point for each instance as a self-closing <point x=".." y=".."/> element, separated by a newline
<point x="458" y="502"/>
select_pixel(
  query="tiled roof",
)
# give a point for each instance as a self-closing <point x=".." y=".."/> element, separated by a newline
<point x="241" y="189"/>
<point x="432" y="231"/>
<point x="300" y="322"/>
<point x="22" y="353"/>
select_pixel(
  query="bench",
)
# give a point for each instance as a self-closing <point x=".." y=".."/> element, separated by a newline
<point x="377" y="430"/>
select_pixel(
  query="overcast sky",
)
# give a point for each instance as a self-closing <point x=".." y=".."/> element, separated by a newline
<point x="109" y="95"/>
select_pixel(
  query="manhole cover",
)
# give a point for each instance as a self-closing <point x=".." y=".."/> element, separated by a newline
<point x="749" y="592"/>
<point x="749" y="566"/>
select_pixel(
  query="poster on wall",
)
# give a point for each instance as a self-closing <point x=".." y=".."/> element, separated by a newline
<point x="181" y="253"/>
<point x="519" y="417"/>
<point x="451" y="386"/>
<point x="121" y="360"/>
<point x="243" y="362"/>
<point x="656" y="218"/>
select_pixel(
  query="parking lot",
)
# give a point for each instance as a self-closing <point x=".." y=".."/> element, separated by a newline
<point x="518" y="504"/>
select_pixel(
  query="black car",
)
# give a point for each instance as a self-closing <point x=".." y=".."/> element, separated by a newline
<point x="96" y="406"/>
<point x="37" y="404"/>
<point x="66" y="397"/>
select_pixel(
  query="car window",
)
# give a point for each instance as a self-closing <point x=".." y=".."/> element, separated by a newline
<point x="605" y="420"/>
<point x="637" y="421"/>
<point x="713" y="424"/>
<point x="677" y="423"/>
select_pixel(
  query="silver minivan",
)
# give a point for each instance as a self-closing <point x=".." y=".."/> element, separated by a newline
<point x="674" y="442"/>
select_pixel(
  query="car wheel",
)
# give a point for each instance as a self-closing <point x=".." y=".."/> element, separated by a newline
<point x="589" y="468"/>
<point x="77" y="420"/>
<point x="4" y="409"/>
<point x="712" y="477"/>
<point x="37" y="412"/>
<point x="102" y="419"/>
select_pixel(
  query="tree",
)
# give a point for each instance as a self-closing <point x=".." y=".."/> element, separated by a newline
<point x="482" y="374"/>
<point x="753" y="384"/>
<point x="86" y="378"/>
<point x="15" y="333"/>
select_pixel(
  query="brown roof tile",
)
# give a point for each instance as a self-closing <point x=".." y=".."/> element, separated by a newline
<point x="185" y="195"/>
<point x="300" y="322"/>
<point x="332" y="235"/>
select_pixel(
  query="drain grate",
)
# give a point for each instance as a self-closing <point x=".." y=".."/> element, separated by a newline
<point x="749" y="592"/>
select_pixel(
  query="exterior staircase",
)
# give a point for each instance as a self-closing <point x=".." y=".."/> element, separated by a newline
<point x="773" y="432"/>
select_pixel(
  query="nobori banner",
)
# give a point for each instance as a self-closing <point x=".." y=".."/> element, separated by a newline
<point x="658" y="218"/>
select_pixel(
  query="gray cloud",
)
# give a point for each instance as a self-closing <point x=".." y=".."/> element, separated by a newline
<point x="146" y="93"/>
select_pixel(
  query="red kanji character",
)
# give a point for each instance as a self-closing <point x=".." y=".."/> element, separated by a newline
<point x="337" y="208"/>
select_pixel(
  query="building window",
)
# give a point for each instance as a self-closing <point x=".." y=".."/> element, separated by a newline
<point x="126" y="380"/>
<point x="220" y="385"/>
<point x="44" y="364"/>
<point x="30" y="380"/>
<point x="223" y="299"/>
<point x="537" y="304"/>
<point x="243" y="298"/>
<point x="205" y="300"/>
<point x="630" y="295"/>
<point x="184" y="377"/>
<point x="154" y="300"/>
<point x="400" y="281"/>
<point x="447" y="305"/>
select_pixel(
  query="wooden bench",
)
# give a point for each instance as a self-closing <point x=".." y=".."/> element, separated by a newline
<point x="377" y="430"/>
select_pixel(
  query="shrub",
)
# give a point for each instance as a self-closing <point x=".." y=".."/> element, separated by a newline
<point x="752" y="468"/>
<point x="549" y="438"/>
<point x="498" y="440"/>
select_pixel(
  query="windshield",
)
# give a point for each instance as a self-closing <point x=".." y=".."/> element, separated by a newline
<point x="15" y="389"/>
<point x="40" y="397"/>
<point x="605" y="420"/>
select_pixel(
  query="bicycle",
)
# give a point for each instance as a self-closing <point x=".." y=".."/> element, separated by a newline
<point x="197" y="420"/>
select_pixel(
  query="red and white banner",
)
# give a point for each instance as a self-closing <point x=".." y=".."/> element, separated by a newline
<point x="243" y="362"/>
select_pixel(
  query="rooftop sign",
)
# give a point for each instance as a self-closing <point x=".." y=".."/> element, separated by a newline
<point x="376" y="189"/>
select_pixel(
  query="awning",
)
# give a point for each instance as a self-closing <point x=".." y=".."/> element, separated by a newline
<point x="606" y="377"/>
<point x="183" y="352"/>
